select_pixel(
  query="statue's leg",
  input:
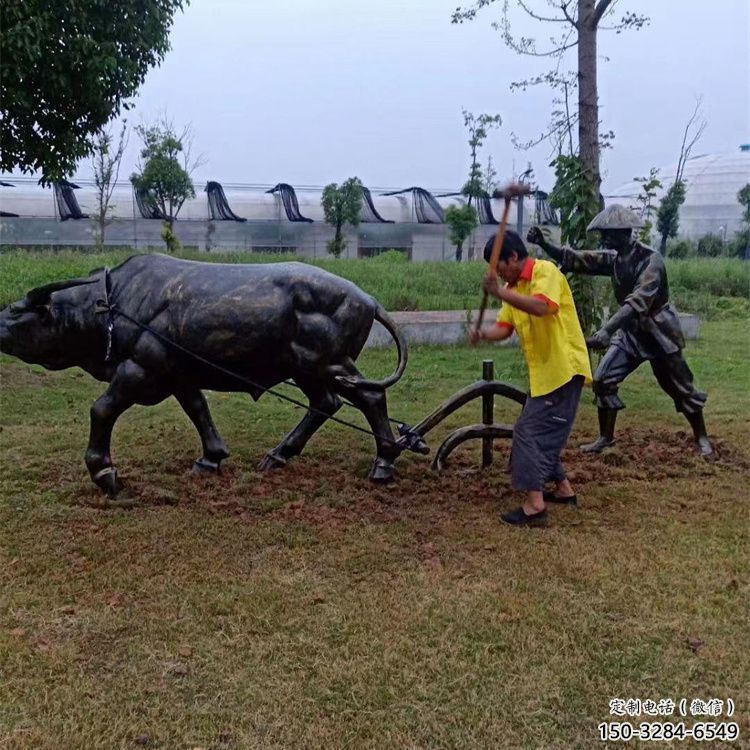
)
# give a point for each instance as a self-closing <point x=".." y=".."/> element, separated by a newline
<point x="676" y="379"/>
<point x="129" y="385"/>
<point x="214" y="448"/>
<point x="615" y="366"/>
<point x="325" y="403"/>
<point x="373" y="405"/>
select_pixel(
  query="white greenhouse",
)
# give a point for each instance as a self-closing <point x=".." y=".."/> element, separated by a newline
<point x="712" y="184"/>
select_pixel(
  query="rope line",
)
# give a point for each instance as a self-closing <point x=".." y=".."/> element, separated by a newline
<point x="241" y="378"/>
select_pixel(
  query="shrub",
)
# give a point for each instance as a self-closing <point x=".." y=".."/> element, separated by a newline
<point x="710" y="246"/>
<point x="681" y="249"/>
<point x="392" y="256"/>
<point x="738" y="246"/>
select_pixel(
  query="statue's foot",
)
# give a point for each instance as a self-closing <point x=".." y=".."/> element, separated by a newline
<point x="271" y="461"/>
<point x="598" y="445"/>
<point x="107" y="481"/>
<point x="382" y="471"/>
<point x="205" y="466"/>
<point x="703" y="444"/>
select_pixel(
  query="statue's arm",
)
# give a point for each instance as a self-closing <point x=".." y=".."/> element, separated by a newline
<point x="647" y="286"/>
<point x="593" y="263"/>
<point x="637" y="304"/>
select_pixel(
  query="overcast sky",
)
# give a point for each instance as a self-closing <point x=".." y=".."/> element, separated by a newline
<point x="314" y="91"/>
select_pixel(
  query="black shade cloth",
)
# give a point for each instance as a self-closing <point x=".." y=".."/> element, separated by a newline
<point x="369" y="214"/>
<point x="543" y="212"/>
<point x="426" y="208"/>
<point x="147" y="205"/>
<point x="289" y="199"/>
<point x="481" y="204"/>
<point x="66" y="201"/>
<point x="218" y="205"/>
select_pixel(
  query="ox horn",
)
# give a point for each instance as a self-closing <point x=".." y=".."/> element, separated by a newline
<point x="41" y="294"/>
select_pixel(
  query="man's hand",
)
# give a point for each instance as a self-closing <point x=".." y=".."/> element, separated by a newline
<point x="535" y="236"/>
<point x="474" y="336"/>
<point x="491" y="285"/>
<point x="600" y="340"/>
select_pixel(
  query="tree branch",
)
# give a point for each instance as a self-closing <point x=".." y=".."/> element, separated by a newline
<point x="564" y="8"/>
<point x="600" y="10"/>
<point x="538" y="17"/>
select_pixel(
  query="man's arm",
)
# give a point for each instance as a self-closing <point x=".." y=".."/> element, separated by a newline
<point x="499" y="332"/>
<point x="528" y="304"/>
<point x="591" y="262"/>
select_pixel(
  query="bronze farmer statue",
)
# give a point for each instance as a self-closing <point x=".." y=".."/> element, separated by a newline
<point x="646" y="327"/>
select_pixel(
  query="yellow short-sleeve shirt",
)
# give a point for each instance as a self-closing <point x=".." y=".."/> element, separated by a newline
<point x="553" y="345"/>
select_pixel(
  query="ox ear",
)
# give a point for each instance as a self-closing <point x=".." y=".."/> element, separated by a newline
<point x="40" y="295"/>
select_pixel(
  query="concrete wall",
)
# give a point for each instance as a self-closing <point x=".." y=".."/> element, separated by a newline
<point x="451" y="327"/>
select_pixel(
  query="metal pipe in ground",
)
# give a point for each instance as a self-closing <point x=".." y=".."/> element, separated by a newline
<point x="488" y="411"/>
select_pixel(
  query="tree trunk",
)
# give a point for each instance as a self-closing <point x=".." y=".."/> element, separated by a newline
<point x="663" y="245"/>
<point x="459" y="251"/>
<point x="338" y="241"/>
<point x="588" y="101"/>
<point x="102" y="229"/>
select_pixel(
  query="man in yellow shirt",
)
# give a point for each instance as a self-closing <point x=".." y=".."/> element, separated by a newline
<point x="538" y="306"/>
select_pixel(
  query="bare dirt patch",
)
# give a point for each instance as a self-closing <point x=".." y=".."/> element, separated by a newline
<point x="332" y="493"/>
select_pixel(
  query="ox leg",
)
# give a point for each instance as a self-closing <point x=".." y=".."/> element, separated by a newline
<point x="322" y="400"/>
<point x="215" y="450"/>
<point x="374" y="407"/>
<point x="129" y="385"/>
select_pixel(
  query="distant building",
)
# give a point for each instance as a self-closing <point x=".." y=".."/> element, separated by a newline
<point x="278" y="218"/>
<point x="712" y="184"/>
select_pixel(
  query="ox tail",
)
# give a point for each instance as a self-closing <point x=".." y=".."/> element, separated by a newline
<point x="403" y="356"/>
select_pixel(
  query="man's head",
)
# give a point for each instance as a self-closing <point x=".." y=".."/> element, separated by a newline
<point x="512" y="256"/>
<point x="616" y="224"/>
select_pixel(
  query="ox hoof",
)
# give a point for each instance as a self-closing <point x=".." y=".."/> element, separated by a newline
<point x="107" y="481"/>
<point x="381" y="472"/>
<point x="271" y="461"/>
<point x="704" y="447"/>
<point x="205" y="466"/>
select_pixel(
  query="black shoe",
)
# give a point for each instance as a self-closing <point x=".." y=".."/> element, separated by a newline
<point x="519" y="517"/>
<point x="598" y="445"/>
<point x="550" y="497"/>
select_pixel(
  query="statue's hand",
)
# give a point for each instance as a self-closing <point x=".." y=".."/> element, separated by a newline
<point x="535" y="236"/>
<point x="600" y="340"/>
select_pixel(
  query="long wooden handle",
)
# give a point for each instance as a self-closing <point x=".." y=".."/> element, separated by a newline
<point x="494" y="258"/>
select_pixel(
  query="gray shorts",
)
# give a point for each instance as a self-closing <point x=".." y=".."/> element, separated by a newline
<point x="540" y="434"/>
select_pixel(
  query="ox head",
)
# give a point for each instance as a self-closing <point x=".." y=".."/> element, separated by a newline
<point x="38" y="330"/>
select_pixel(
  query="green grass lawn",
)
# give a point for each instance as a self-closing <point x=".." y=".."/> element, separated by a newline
<point x="307" y="608"/>
<point x="714" y="288"/>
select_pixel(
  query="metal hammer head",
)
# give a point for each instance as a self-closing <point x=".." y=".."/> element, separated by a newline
<point x="512" y="190"/>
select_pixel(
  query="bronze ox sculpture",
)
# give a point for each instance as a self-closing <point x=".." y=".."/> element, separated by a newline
<point x="156" y="326"/>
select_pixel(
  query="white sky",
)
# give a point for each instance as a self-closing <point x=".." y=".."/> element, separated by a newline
<point x="314" y="91"/>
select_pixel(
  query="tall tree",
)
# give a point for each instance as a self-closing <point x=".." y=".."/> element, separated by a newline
<point x="645" y="203"/>
<point x="743" y="198"/>
<point x="668" y="214"/>
<point x="66" y="71"/>
<point x="478" y="127"/>
<point x="164" y="176"/>
<point x="580" y="22"/>
<point x="489" y="178"/>
<point x="342" y="204"/>
<point x="742" y="243"/>
<point x="106" y="160"/>
<point x="461" y="221"/>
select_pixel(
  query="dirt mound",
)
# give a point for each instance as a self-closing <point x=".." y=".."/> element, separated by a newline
<point x="332" y="492"/>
